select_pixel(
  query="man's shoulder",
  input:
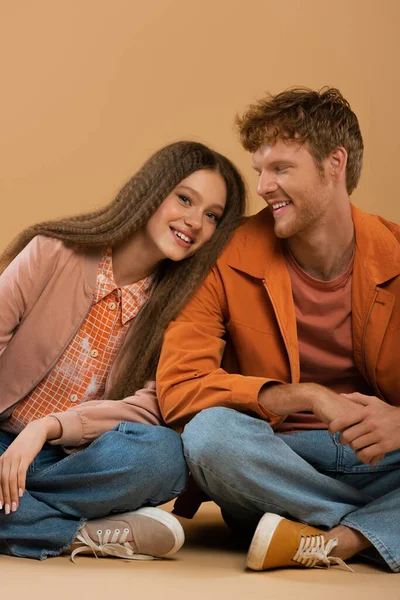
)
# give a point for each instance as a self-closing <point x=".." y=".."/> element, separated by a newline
<point x="394" y="228"/>
<point x="376" y="224"/>
<point x="376" y="227"/>
<point x="377" y="245"/>
<point x="254" y="239"/>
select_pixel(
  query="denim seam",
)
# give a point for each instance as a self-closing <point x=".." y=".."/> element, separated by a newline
<point x="379" y="545"/>
<point x="45" y="554"/>
<point x="228" y="485"/>
<point x="65" y="459"/>
<point x="49" y="553"/>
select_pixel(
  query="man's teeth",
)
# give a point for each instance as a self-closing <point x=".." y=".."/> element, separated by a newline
<point x="280" y="204"/>
<point x="183" y="237"/>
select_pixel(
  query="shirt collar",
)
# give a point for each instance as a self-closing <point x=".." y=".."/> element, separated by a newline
<point x="132" y="296"/>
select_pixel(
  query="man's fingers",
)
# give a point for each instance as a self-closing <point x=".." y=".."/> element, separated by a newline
<point x="357" y="398"/>
<point x="344" y="422"/>
<point x="364" y="441"/>
<point x="376" y="459"/>
<point x="350" y="434"/>
<point x="370" y="454"/>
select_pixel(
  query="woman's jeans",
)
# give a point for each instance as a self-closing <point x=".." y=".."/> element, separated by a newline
<point x="247" y="469"/>
<point x="131" y="466"/>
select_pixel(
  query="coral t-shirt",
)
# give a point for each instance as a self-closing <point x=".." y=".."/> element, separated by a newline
<point x="324" y="330"/>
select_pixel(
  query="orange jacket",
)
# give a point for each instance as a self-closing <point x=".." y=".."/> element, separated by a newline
<point x="239" y="331"/>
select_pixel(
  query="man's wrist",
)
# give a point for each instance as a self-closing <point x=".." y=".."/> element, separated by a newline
<point x="287" y="398"/>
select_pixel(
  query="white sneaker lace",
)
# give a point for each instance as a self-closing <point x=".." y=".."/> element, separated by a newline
<point x="313" y="550"/>
<point x="111" y="543"/>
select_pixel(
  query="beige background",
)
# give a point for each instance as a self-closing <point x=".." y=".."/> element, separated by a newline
<point x="89" y="88"/>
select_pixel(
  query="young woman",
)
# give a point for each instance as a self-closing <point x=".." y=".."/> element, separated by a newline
<point x="84" y="303"/>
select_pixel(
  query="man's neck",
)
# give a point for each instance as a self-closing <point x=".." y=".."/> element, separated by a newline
<point x="326" y="251"/>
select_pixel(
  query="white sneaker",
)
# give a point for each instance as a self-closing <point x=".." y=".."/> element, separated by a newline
<point x="144" y="534"/>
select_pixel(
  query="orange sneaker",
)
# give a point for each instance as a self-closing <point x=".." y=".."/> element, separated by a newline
<point x="278" y="542"/>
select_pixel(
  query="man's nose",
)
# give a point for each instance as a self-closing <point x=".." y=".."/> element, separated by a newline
<point x="266" y="184"/>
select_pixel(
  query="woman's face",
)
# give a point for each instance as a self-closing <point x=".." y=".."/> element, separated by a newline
<point x="188" y="216"/>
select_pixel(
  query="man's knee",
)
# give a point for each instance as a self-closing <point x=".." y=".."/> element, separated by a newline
<point x="207" y="434"/>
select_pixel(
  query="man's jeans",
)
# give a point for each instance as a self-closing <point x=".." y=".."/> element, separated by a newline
<point x="248" y="470"/>
<point x="131" y="466"/>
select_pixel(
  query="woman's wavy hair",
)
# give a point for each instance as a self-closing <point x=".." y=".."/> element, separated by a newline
<point x="175" y="282"/>
<point x="321" y="119"/>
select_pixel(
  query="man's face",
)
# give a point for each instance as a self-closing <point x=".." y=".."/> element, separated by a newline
<point x="298" y="194"/>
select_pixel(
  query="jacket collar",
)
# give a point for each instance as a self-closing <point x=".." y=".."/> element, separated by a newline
<point x="376" y="246"/>
<point x="255" y="246"/>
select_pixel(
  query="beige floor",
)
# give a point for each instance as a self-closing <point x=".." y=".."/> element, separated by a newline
<point x="209" y="566"/>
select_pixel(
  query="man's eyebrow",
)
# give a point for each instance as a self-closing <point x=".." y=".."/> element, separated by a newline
<point x="196" y="193"/>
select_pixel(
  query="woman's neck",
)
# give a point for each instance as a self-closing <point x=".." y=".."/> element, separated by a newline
<point x="134" y="259"/>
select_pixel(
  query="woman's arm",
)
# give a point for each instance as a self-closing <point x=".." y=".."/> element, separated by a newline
<point x="15" y="461"/>
<point x="73" y="427"/>
<point x="84" y="423"/>
<point x="22" y="283"/>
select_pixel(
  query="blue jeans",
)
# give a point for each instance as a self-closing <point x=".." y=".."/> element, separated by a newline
<point x="131" y="466"/>
<point x="248" y="470"/>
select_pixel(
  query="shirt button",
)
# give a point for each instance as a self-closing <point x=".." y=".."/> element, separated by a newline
<point x="73" y="397"/>
<point x="112" y="305"/>
<point x="94" y="353"/>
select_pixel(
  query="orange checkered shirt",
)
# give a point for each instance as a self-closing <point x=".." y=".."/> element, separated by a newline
<point x="81" y="372"/>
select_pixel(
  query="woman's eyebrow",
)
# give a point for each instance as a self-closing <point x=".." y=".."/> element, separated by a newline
<point x="196" y="193"/>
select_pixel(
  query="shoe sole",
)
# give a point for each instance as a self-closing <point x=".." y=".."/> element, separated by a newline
<point x="169" y="521"/>
<point x="261" y="541"/>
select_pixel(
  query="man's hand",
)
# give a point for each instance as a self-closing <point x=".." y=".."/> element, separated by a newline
<point x="371" y="427"/>
<point x="19" y="455"/>
<point x="339" y="412"/>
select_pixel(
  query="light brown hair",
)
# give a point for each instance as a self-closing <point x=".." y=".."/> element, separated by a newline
<point x="175" y="282"/>
<point x="321" y="119"/>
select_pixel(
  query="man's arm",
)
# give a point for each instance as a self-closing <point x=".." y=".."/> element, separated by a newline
<point x="190" y="377"/>
<point x="287" y="399"/>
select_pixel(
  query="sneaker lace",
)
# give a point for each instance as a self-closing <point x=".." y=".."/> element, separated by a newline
<point x="109" y="543"/>
<point x="313" y="550"/>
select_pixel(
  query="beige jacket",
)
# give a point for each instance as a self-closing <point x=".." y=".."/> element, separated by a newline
<point x="45" y="295"/>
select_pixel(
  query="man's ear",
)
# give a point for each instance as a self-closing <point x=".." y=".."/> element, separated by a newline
<point x="337" y="162"/>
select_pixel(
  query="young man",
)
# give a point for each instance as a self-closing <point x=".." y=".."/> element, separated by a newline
<point x="284" y="366"/>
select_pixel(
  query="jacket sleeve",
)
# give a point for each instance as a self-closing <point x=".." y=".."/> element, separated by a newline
<point x="22" y="282"/>
<point x="84" y="423"/>
<point x="189" y="376"/>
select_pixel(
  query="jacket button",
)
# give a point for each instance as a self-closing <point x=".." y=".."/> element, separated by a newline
<point x="94" y="353"/>
<point x="73" y="397"/>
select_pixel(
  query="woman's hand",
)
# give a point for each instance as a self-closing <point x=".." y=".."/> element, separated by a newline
<point x="19" y="455"/>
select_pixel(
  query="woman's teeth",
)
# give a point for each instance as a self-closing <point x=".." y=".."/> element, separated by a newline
<point x="183" y="237"/>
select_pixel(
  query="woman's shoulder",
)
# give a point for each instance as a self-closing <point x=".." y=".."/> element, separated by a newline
<point x="46" y="249"/>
